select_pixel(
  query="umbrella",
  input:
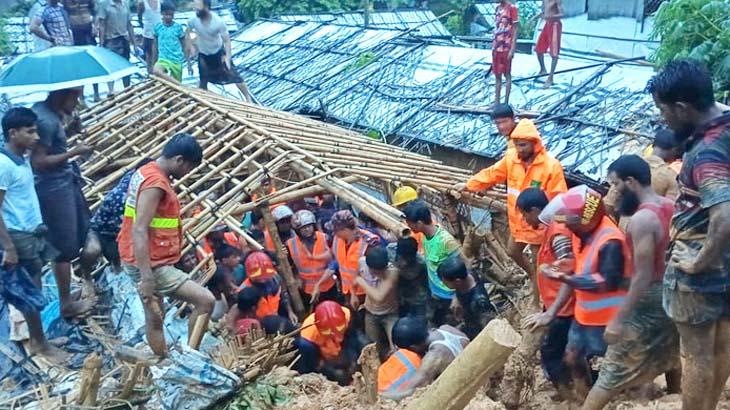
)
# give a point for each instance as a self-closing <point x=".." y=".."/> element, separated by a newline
<point x="57" y="68"/>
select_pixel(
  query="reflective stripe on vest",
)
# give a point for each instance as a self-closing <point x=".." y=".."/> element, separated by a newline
<point x="310" y="276"/>
<point x="598" y="308"/>
<point x="401" y="382"/>
<point x="158" y="223"/>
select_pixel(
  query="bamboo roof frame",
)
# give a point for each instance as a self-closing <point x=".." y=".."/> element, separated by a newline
<point x="244" y="142"/>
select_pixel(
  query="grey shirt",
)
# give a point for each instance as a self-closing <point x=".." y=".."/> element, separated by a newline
<point x="209" y="34"/>
<point x="52" y="136"/>
<point x="116" y="19"/>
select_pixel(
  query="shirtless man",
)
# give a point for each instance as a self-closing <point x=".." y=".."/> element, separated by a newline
<point x="549" y="37"/>
<point x="439" y="348"/>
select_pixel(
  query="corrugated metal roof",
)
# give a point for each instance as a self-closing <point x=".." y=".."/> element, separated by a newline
<point x="423" y="22"/>
<point x="414" y="90"/>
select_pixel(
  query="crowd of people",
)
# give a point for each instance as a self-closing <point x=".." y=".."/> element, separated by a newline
<point x="632" y="277"/>
<point x="165" y="44"/>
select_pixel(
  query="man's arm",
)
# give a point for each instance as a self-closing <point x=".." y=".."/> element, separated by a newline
<point x="716" y="243"/>
<point x="516" y="32"/>
<point x="130" y="33"/>
<point x="102" y="30"/>
<point x="488" y="177"/>
<point x="140" y="12"/>
<point x="10" y="256"/>
<point x="644" y="230"/>
<point x="147" y="203"/>
<point x="154" y="49"/>
<point x="35" y="28"/>
<point x="42" y="161"/>
<point x="610" y="271"/>
<point x="227" y="45"/>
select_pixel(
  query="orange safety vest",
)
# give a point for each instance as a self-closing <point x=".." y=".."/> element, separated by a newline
<point x="268" y="242"/>
<point x="396" y="372"/>
<point x="229" y="237"/>
<point x="598" y="308"/>
<point x="310" y="270"/>
<point x="329" y="348"/>
<point x="548" y="287"/>
<point x="268" y="305"/>
<point x="165" y="232"/>
<point x="418" y="236"/>
<point x="348" y="258"/>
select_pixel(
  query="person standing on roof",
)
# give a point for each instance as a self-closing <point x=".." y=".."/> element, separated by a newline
<point x="311" y="255"/>
<point x="697" y="278"/>
<point x="529" y="165"/>
<point x="151" y="239"/>
<point x="81" y="19"/>
<point x="116" y="32"/>
<point x="349" y="245"/>
<point x="402" y="197"/>
<point x="643" y="341"/>
<point x="55" y="23"/>
<point x="149" y="13"/>
<point x="506" y="27"/>
<point x="602" y="274"/>
<point x="558" y="300"/>
<point x="214" y="50"/>
<point x="283" y="217"/>
<point x="549" y="38"/>
<point x="437" y="347"/>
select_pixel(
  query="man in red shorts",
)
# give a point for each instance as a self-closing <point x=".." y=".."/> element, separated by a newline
<point x="503" y="49"/>
<point x="549" y="38"/>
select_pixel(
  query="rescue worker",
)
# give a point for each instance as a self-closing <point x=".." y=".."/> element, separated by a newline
<point x="438" y="348"/>
<point x="602" y="272"/>
<point x="529" y="165"/>
<point x="310" y="253"/>
<point x="263" y="276"/>
<point x="439" y="244"/>
<point x="349" y="245"/>
<point x="643" y="341"/>
<point x="557" y="297"/>
<point x="282" y="216"/>
<point x="327" y="344"/>
<point x="150" y="240"/>
<point x="402" y="197"/>
<point x="397" y="371"/>
<point x="219" y="237"/>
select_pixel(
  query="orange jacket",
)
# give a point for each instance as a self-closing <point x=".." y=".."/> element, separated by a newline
<point x="310" y="270"/>
<point x="229" y="237"/>
<point x="396" y="372"/>
<point x="549" y="287"/>
<point x="598" y="308"/>
<point x="268" y="305"/>
<point x="545" y="173"/>
<point x="329" y="346"/>
<point x="165" y="230"/>
<point x="348" y="258"/>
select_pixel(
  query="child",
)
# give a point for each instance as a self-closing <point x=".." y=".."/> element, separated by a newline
<point x="379" y="279"/>
<point x="169" y="44"/>
<point x="263" y="277"/>
<point x="470" y="292"/>
<point x="506" y="27"/>
<point x="242" y="317"/>
<point x="227" y="258"/>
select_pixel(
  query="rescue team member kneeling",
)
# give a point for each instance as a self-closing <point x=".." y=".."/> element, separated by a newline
<point x="150" y="240"/>
<point x="602" y="273"/>
<point x="263" y="277"/>
<point x="331" y="346"/>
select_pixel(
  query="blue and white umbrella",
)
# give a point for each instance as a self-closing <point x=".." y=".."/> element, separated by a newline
<point x="58" y="68"/>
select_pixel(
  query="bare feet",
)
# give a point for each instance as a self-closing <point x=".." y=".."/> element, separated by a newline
<point x="50" y="353"/>
<point x="77" y="308"/>
<point x="542" y="72"/>
<point x="548" y="83"/>
<point x="88" y="291"/>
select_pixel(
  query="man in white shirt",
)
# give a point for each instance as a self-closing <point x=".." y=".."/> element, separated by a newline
<point x="214" y="50"/>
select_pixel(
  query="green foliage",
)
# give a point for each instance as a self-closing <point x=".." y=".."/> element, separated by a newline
<point x="5" y="46"/>
<point x="374" y="134"/>
<point x="698" y="29"/>
<point x="255" y="9"/>
<point x="528" y="12"/>
<point x="455" y="24"/>
<point x="362" y="60"/>
<point x="21" y="8"/>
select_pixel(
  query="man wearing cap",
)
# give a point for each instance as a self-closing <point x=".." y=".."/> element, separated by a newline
<point x="529" y="165"/>
<point x="403" y="196"/>
<point x="282" y="215"/>
<point x="311" y="255"/>
<point x="600" y="279"/>
<point x="349" y="245"/>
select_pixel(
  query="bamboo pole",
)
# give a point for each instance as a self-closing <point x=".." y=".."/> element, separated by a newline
<point x="461" y="380"/>
<point x="90" y="375"/>
<point x="283" y="258"/>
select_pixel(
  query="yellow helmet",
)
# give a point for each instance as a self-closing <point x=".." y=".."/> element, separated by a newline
<point x="404" y="195"/>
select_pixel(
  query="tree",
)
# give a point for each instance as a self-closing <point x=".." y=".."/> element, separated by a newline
<point x="5" y="46"/>
<point x="697" y="29"/>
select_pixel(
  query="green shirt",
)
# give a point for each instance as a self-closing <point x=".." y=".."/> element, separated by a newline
<point x="436" y="250"/>
<point x="168" y="42"/>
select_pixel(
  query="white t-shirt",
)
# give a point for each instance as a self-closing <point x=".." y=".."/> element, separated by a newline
<point x="150" y="17"/>
<point x="210" y="35"/>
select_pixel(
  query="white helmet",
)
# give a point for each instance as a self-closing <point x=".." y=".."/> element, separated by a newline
<point x="282" y="212"/>
<point x="303" y="218"/>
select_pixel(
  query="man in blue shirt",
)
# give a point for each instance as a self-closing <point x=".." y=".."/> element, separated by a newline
<point x="22" y="234"/>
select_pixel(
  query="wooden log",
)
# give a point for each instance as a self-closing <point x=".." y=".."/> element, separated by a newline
<point x="283" y="257"/>
<point x="369" y="363"/>
<point x="461" y="380"/>
<point x="90" y="375"/>
<point x="129" y="384"/>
